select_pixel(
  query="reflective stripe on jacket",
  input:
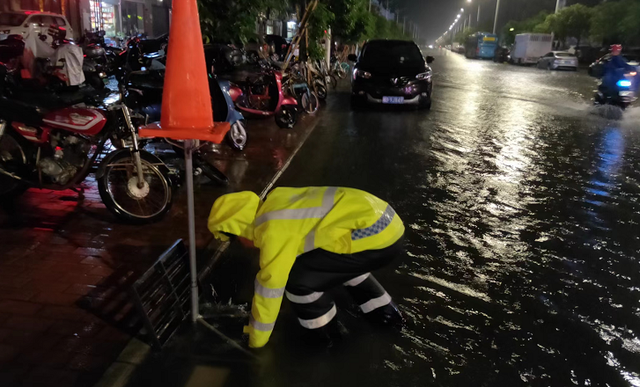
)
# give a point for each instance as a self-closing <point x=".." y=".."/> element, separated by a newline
<point x="292" y="221"/>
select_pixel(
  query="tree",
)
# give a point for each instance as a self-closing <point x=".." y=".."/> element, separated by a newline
<point x="353" y="21"/>
<point x="576" y="20"/>
<point x="630" y="25"/>
<point x="573" y="21"/>
<point x="512" y="28"/>
<point x="319" y="21"/>
<point x="461" y="36"/>
<point x="605" y="23"/>
<point x="233" y="20"/>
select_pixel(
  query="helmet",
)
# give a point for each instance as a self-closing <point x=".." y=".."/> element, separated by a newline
<point x="616" y="47"/>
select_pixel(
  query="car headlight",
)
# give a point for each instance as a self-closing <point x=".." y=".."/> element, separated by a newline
<point x="424" y="76"/>
<point x="362" y="74"/>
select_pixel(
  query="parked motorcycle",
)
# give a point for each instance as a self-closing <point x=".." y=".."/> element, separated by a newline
<point x="47" y="141"/>
<point x="263" y="95"/>
<point x="99" y="59"/>
<point x="144" y="94"/>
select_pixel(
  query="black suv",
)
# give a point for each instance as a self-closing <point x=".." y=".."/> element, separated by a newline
<point x="391" y="72"/>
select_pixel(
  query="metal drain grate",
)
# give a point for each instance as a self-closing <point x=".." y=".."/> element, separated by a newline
<point x="162" y="295"/>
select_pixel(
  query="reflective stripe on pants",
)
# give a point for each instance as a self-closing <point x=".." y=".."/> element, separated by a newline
<point x="358" y="280"/>
<point x="314" y="273"/>
<point x="376" y="303"/>
<point x="321" y="321"/>
<point x="307" y="299"/>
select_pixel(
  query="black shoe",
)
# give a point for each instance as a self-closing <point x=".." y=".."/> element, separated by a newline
<point x="325" y="336"/>
<point x="388" y="315"/>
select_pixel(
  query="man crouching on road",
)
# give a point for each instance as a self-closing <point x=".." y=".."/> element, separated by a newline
<point x="312" y="240"/>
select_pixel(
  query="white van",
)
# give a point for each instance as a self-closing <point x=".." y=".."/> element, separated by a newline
<point x="529" y="48"/>
<point x="18" y="23"/>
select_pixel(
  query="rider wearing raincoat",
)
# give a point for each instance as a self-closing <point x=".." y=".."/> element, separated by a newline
<point x="615" y="69"/>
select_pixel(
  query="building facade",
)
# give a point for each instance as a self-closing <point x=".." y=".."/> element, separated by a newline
<point x="119" y="18"/>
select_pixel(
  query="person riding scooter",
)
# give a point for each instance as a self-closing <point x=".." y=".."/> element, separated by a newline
<point x="614" y="69"/>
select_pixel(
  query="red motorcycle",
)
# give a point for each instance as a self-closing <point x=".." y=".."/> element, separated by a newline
<point x="262" y="95"/>
<point x="50" y="141"/>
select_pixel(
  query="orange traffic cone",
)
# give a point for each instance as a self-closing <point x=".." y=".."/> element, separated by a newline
<point x="186" y="102"/>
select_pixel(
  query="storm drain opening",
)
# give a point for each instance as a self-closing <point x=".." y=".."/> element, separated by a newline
<point x="162" y="295"/>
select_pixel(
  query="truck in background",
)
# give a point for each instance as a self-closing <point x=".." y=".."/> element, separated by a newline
<point x="528" y="48"/>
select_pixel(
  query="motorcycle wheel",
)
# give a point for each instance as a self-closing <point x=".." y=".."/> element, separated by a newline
<point x="341" y="73"/>
<point x="310" y="102"/>
<point x="237" y="136"/>
<point x="287" y="116"/>
<point x="12" y="159"/>
<point x="117" y="184"/>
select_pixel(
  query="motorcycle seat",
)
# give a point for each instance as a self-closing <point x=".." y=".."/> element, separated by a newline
<point x="43" y="101"/>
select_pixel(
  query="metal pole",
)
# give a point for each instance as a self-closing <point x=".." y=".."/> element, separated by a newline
<point x="188" y="158"/>
<point x="404" y="21"/>
<point x="560" y="4"/>
<point x="469" y="19"/>
<point x="478" y="16"/>
<point x="495" y="20"/>
<point x="327" y="47"/>
<point x="369" y="6"/>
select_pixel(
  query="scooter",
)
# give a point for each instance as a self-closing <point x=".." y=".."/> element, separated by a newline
<point x="263" y="95"/>
<point x="144" y="94"/>
<point x="623" y="95"/>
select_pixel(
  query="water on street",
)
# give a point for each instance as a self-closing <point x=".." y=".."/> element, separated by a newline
<point x="522" y="214"/>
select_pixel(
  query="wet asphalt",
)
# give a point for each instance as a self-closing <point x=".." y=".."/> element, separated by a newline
<point x="522" y="211"/>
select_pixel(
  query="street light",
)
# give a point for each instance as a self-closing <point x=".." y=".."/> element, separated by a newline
<point x="478" y="18"/>
<point x="495" y="20"/>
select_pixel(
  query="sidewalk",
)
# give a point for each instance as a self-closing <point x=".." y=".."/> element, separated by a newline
<point x="65" y="260"/>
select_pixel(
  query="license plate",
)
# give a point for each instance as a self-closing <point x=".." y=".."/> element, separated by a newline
<point x="393" y="100"/>
<point x="626" y="94"/>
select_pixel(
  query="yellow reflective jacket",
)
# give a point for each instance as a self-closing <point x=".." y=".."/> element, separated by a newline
<point x="293" y="221"/>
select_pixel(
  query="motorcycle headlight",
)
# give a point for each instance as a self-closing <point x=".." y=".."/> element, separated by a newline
<point x="424" y="76"/>
<point x="362" y="74"/>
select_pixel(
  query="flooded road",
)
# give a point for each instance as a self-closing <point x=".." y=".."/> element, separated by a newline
<point x="523" y="236"/>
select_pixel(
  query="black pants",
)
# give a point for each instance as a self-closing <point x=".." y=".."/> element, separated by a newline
<point x="319" y="270"/>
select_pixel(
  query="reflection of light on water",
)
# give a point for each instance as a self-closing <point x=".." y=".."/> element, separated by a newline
<point x="463" y="289"/>
<point x="610" y="154"/>
<point x="631" y="377"/>
<point x="470" y="107"/>
<point x="511" y="159"/>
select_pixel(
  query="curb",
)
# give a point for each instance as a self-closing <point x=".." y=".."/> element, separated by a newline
<point x="119" y="373"/>
<point x="136" y="351"/>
